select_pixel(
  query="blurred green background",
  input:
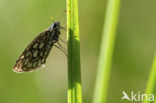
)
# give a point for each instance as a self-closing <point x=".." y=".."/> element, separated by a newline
<point x="23" y="20"/>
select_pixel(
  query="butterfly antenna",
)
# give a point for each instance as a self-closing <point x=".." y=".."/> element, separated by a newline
<point x="61" y="14"/>
<point x="52" y="18"/>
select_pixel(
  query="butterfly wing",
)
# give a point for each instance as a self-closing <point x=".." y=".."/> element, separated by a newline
<point x="34" y="56"/>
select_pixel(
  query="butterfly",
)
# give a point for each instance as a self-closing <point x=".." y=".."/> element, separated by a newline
<point x="36" y="53"/>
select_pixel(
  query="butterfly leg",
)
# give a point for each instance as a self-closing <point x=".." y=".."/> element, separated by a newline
<point x="62" y="49"/>
<point x="61" y="46"/>
<point x="62" y="40"/>
<point x="63" y="27"/>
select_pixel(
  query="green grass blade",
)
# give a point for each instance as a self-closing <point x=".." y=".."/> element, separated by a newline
<point x="106" y="51"/>
<point x="74" y="73"/>
<point x="151" y="85"/>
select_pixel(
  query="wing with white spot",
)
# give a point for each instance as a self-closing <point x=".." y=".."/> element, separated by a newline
<point x="35" y="55"/>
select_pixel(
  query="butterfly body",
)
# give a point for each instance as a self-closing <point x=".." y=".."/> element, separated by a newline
<point x="36" y="53"/>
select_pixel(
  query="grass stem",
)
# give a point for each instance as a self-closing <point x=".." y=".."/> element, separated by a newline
<point x="151" y="85"/>
<point x="105" y="57"/>
<point x="74" y="72"/>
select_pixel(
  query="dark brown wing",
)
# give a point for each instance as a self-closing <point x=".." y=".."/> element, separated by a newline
<point x="34" y="56"/>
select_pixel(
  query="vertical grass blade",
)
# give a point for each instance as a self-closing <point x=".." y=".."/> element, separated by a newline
<point x="105" y="57"/>
<point x="74" y="73"/>
<point x="151" y="85"/>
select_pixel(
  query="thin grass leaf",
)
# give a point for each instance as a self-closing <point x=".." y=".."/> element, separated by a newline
<point x="74" y="74"/>
<point x="105" y="57"/>
<point x="151" y="85"/>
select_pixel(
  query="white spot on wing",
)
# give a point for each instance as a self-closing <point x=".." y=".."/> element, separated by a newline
<point x="42" y="65"/>
<point x="22" y="56"/>
<point x="17" y="70"/>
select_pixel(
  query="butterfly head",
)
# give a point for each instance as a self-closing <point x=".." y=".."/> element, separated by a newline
<point x="55" y="25"/>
